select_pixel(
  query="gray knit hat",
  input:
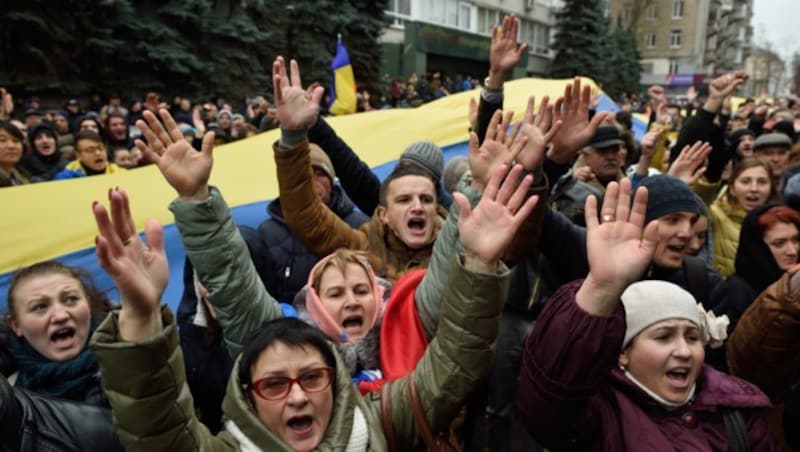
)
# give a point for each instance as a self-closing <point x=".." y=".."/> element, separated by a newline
<point x="649" y="302"/>
<point x="454" y="171"/>
<point x="666" y="195"/>
<point x="426" y="155"/>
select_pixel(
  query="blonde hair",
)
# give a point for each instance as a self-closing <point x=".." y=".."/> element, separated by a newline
<point x="340" y="259"/>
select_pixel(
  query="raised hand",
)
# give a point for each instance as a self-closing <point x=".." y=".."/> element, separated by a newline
<point x="487" y="230"/>
<point x="504" y="54"/>
<point x="139" y="270"/>
<point x="539" y="130"/>
<point x="689" y="166"/>
<point x="648" y="144"/>
<point x="498" y="148"/>
<point x="619" y="249"/>
<point x="584" y="174"/>
<point x="576" y="129"/>
<point x="297" y="108"/>
<point x="181" y="165"/>
<point x="472" y="114"/>
<point x="656" y="94"/>
<point x="721" y="87"/>
<point x="6" y="104"/>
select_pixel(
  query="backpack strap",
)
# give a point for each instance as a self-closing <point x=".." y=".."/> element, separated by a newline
<point x="697" y="277"/>
<point x="386" y="417"/>
<point x="419" y="414"/>
<point x="736" y="430"/>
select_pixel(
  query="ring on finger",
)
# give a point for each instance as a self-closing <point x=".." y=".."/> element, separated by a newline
<point x="127" y="241"/>
<point x="608" y="218"/>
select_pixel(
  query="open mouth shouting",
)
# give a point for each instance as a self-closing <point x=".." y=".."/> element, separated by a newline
<point x="678" y="378"/>
<point x="417" y="225"/>
<point x="301" y="426"/>
<point x="353" y="324"/>
<point x="63" y="338"/>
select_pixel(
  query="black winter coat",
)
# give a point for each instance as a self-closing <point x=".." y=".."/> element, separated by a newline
<point x="30" y="423"/>
<point x="287" y="261"/>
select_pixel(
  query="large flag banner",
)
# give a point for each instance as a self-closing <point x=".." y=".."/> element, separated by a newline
<point x="53" y="220"/>
<point x="343" y="83"/>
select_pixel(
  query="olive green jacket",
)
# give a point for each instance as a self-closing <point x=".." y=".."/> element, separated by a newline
<point x="146" y="383"/>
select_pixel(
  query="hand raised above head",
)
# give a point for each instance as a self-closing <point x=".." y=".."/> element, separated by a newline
<point x="576" y="130"/>
<point x="619" y="247"/>
<point x="691" y="162"/>
<point x="140" y="271"/>
<point x="725" y="84"/>
<point x="499" y="147"/>
<point x="487" y="230"/>
<point x="504" y="54"/>
<point x="297" y="108"/>
<point x="539" y="128"/>
<point x="186" y="170"/>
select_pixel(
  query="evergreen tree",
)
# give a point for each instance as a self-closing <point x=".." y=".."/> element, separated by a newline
<point x="580" y="40"/>
<point x="361" y="36"/>
<point x="189" y="47"/>
<point x="623" y="62"/>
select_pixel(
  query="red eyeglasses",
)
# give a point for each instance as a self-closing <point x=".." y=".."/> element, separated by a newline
<point x="277" y="388"/>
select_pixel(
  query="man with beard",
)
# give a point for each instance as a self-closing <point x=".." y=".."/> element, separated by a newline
<point x="598" y="164"/>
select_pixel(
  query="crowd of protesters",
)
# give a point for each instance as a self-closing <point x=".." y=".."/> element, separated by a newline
<point x="98" y="138"/>
<point x="565" y="286"/>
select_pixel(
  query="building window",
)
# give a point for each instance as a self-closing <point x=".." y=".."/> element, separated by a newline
<point x="541" y="43"/>
<point x="651" y="11"/>
<point x="452" y="13"/>
<point x="487" y="20"/>
<point x="677" y="9"/>
<point x="465" y="16"/>
<point x="650" y="40"/>
<point x="673" y="66"/>
<point x="399" y="11"/>
<point x="675" y="39"/>
<point x="626" y="14"/>
<point x="536" y="35"/>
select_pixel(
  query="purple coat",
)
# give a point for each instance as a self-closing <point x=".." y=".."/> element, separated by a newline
<point x="571" y="395"/>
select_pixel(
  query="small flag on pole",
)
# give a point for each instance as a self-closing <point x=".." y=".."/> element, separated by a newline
<point x="343" y="83"/>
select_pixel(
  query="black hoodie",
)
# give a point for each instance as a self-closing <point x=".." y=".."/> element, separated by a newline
<point x="756" y="268"/>
<point x="42" y="167"/>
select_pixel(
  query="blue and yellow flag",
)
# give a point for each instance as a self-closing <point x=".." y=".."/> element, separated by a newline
<point x="53" y="220"/>
<point x="343" y="83"/>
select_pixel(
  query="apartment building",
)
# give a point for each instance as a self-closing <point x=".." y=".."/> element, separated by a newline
<point x="685" y="42"/>
<point x="453" y="36"/>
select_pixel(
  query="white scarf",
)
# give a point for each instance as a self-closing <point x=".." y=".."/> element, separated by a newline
<point x="668" y="405"/>
<point x="359" y="435"/>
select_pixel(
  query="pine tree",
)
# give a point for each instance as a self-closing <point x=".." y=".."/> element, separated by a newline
<point x="624" y="64"/>
<point x="361" y="38"/>
<point x="580" y="40"/>
<point x="195" y="48"/>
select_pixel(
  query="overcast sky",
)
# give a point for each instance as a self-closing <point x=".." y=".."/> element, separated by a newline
<point x="777" y="21"/>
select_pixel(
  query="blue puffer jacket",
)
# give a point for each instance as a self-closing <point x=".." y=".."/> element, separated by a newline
<point x="288" y="261"/>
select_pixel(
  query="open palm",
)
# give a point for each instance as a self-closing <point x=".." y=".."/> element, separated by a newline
<point x="620" y="248"/>
<point x="487" y="230"/>
<point x="297" y="108"/>
<point x="498" y="148"/>
<point x="576" y="129"/>
<point x="185" y="169"/>
<point x="539" y="129"/>
<point x="139" y="270"/>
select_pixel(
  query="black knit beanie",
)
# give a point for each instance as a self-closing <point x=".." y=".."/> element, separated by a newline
<point x="666" y="195"/>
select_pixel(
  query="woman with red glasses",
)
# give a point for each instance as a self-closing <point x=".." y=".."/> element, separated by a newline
<point x="290" y="389"/>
